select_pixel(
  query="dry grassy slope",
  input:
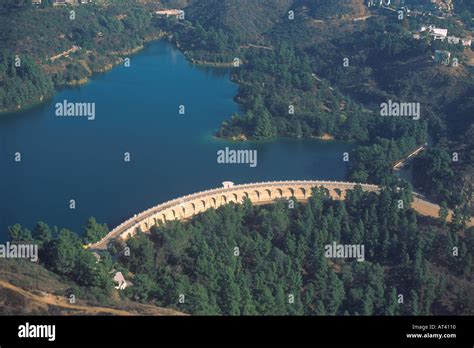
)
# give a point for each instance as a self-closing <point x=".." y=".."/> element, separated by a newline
<point x="27" y="288"/>
<point x="358" y="8"/>
<point x="333" y="9"/>
<point x="247" y="18"/>
<point x="251" y="19"/>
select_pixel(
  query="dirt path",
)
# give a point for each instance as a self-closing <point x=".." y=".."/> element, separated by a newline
<point x="402" y="162"/>
<point x="338" y="20"/>
<point x="257" y="46"/>
<point x="57" y="301"/>
<point x="363" y="18"/>
<point x="429" y="209"/>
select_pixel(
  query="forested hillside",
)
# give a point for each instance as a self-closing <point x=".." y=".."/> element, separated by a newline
<point x="281" y="255"/>
<point x="310" y="76"/>
<point x="306" y="69"/>
<point x="319" y="71"/>
<point x="323" y="9"/>
<point x="44" y="48"/>
<point x="272" y="260"/>
<point x="22" y="87"/>
<point x="247" y="19"/>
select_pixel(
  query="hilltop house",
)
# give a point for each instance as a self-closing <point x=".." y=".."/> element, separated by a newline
<point x="371" y="3"/>
<point x="436" y="33"/>
<point x="70" y="2"/>
<point x="442" y="34"/>
<point x="170" y="13"/>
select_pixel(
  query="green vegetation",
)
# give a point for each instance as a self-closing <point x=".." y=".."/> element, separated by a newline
<point x="93" y="232"/>
<point x="101" y="33"/>
<point x="62" y="252"/>
<point x="282" y="98"/>
<point x="465" y="10"/>
<point x="242" y="19"/>
<point x="279" y="266"/>
<point x="281" y="252"/>
<point x="293" y="83"/>
<point x="24" y="85"/>
<point x="323" y="9"/>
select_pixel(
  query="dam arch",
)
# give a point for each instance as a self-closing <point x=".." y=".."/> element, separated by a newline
<point x="188" y="206"/>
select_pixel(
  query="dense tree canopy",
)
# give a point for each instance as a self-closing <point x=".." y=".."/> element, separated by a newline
<point x="244" y="260"/>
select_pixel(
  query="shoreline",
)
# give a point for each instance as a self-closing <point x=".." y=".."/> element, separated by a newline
<point x="208" y="63"/>
<point x="28" y="106"/>
<point x="109" y="66"/>
<point x="83" y="81"/>
<point x="242" y="138"/>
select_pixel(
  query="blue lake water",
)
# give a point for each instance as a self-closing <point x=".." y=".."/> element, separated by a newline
<point x="64" y="158"/>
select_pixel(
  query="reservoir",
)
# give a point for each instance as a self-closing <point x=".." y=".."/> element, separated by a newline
<point x="138" y="150"/>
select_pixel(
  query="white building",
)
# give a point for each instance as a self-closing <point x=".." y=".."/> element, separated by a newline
<point x="466" y="42"/>
<point x="437" y="33"/>
<point x="453" y="40"/>
<point x="70" y="2"/>
<point x="120" y="280"/>
<point x="371" y="3"/>
<point x="170" y="13"/>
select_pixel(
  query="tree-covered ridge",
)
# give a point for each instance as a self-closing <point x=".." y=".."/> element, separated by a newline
<point x="62" y="252"/>
<point x="95" y="35"/>
<point x="295" y="84"/>
<point x="284" y="98"/>
<point x="384" y="63"/>
<point x="388" y="64"/>
<point x="280" y="266"/>
<point x="24" y="86"/>
<point x="465" y="10"/>
<point x="292" y="81"/>
<point x="246" y="19"/>
<point x="281" y="255"/>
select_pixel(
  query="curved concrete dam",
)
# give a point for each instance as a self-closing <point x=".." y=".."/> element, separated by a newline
<point x="258" y="193"/>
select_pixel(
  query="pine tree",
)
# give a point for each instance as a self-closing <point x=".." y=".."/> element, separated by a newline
<point x="414" y="305"/>
<point x="264" y="128"/>
<point x="247" y="302"/>
<point x="392" y="307"/>
<point x="199" y="303"/>
<point x="336" y="294"/>
<point x="320" y="309"/>
<point x="443" y="213"/>
<point x="42" y="233"/>
<point x="368" y="302"/>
